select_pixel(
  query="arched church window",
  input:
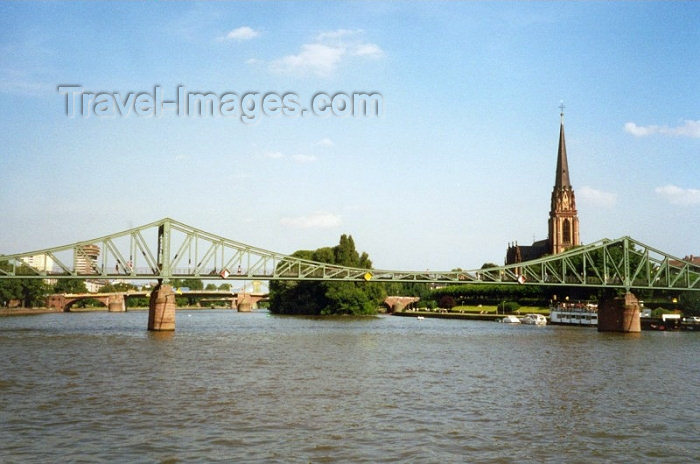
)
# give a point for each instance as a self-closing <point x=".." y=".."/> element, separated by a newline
<point x="566" y="231"/>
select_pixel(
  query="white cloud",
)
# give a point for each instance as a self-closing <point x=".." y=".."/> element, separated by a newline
<point x="304" y="158"/>
<point x="318" y="59"/>
<point x="242" y="33"/>
<point x="689" y="128"/>
<point x="597" y="197"/>
<point x="325" y="142"/>
<point x="273" y="154"/>
<point x="323" y="56"/>
<point x="369" y="50"/>
<point x="679" y="196"/>
<point x="639" y="131"/>
<point x="318" y="220"/>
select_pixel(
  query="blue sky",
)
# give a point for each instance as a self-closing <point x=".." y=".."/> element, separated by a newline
<point x="460" y="162"/>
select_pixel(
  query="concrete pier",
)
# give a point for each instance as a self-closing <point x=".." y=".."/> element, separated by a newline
<point x="161" y="308"/>
<point x="619" y="314"/>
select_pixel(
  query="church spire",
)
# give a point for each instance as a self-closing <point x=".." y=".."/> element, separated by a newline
<point x="563" y="218"/>
<point x="562" y="177"/>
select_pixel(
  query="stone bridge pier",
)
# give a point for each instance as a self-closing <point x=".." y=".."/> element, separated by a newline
<point x="619" y="314"/>
<point x="116" y="303"/>
<point x="161" y="308"/>
<point x="245" y="302"/>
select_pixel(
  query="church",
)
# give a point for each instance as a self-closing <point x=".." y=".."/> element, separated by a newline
<point x="563" y="218"/>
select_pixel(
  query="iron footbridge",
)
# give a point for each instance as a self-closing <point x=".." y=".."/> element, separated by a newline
<point x="168" y="249"/>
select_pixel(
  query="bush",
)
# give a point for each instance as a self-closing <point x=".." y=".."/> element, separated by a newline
<point x="510" y="307"/>
<point x="447" y="302"/>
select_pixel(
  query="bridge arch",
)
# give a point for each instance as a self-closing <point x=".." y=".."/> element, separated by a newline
<point x="72" y="301"/>
<point x="114" y="302"/>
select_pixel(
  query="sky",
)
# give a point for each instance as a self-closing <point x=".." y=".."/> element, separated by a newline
<point x="458" y="162"/>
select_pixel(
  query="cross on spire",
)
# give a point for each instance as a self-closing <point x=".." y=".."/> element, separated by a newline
<point x="561" y="108"/>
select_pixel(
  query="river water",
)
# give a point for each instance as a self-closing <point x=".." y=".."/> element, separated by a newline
<point x="238" y="387"/>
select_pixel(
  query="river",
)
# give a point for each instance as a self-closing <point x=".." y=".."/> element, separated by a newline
<point x="257" y="388"/>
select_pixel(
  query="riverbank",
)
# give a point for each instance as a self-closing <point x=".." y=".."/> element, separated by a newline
<point x="33" y="311"/>
<point x="449" y="315"/>
<point x="25" y="311"/>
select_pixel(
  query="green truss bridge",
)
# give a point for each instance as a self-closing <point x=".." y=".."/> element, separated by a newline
<point x="168" y="249"/>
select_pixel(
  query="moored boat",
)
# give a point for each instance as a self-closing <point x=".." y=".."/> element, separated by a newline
<point x="570" y="314"/>
<point x="534" y="319"/>
<point x="510" y="320"/>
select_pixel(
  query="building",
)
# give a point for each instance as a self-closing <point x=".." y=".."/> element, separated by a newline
<point x="563" y="217"/>
<point x="42" y="263"/>
<point x="85" y="259"/>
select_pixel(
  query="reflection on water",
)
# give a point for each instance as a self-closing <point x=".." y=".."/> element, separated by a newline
<point x="164" y="335"/>
<point x="235" y="387"/>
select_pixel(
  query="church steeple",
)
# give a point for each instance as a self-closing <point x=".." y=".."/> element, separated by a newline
<point x="563" y="217"/>
<point x="562" y="177"/>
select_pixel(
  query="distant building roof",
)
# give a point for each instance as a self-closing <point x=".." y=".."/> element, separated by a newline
<point x="692" y="259"/>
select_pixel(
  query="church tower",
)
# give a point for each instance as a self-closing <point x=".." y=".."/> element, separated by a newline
<point x="563" y="218"/>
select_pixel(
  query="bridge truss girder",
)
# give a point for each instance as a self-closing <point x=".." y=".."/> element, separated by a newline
<point x="169" y="249"/>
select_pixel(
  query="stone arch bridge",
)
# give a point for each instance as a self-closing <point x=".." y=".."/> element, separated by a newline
<point x="116" y="301"/>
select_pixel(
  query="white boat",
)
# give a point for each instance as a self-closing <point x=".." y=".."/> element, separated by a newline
<point x="510" y="320"/>
<point x="584" y="315"/>
<point x="534" y="319"/>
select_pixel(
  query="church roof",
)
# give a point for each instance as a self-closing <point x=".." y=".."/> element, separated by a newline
<point x="562" y="177"/>
<point x="534" y="251"/>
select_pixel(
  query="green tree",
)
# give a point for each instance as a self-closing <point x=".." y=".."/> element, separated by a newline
<point x="305" y="297"/>
<point x="192" y="284"/>
<point x="10" y="289"/>
<point x="31" y="292"/>
<point x="34" y="292"/>
<point x="70" y="286"/>
<point x="117" y="287"/>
